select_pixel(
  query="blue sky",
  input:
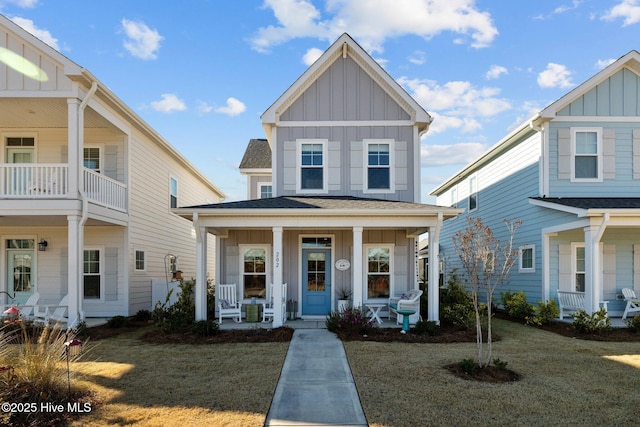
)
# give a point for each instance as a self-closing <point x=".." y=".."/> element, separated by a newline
<point x="202" y="71"/>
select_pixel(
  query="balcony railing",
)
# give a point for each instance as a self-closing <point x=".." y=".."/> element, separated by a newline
<point x="51" y="180"/>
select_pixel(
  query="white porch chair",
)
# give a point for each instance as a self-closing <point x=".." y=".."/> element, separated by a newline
<point x="633" y="303"/>
<point x="45" y="314"/>
<point x="228" y="304"/>
<point x="26" y="309"/>
<point x="408" y="301"/>
<point x="268" y="307"/>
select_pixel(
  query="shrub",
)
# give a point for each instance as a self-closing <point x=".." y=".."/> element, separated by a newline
<point x="142" y="316"/>
<point x="426" y="327"/>
<point x="205" y="328"/>
<point x="456" y="305"/>
<point x="544" y="314"/>
<point x="516" y="305"/>
<point x="171" y="318"/>
<point x="459" y="315"/>
<point x="633" y="323"/>
<point x="500" y="364"/>
<point x="352" y="320"/>
<point x="596" y="323"/>
<point x="468" y="366"/>
<point x="117" y="322"/>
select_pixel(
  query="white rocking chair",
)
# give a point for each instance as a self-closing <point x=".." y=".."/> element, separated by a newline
<point x="268" y="307"/>
<point x="633" y="303"/>
<point x="45" y="314"/>
<point x="228" y="304"/>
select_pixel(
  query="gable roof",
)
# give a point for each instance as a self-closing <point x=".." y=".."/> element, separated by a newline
<point x="630" y="61"/>
<point x="257" y="155"/>
<point x="342" y="47"/>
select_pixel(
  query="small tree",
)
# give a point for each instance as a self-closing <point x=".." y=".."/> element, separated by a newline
<point x="487" y="264"/>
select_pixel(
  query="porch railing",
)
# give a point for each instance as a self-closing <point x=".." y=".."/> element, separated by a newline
<point x="102" y="190"/>
<point x="33" y="180"/>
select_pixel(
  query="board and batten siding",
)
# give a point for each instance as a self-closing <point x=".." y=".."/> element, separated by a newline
<point x="152" y="227"/>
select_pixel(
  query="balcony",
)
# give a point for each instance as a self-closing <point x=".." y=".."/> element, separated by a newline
<point x="51" y="181"/>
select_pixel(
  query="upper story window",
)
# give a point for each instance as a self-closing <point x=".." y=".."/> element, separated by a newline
<point x="265" y="190"/>
<point x="140" y="262"/>
<point x="91" y="158"/>
<point x="473" y="193"/>
<point x="173" y="192"/>
<point x="379" y="173"/>
<point x="586" y="153"/>
<point x="312" y="166"/>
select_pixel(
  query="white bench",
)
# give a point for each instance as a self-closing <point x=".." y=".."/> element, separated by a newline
<point x="573" y="301"/>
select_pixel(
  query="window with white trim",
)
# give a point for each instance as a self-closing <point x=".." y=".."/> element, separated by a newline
<point x="92" y="274"/>
<point x="586" y="153"/>
<point x="473" y="193"/>
<point x="173" y="192"/>
<point x="265" y="190"/>
<point x="254" y="271"/>
<point x="140" y="262"/>
<point x="91" y="159"/>
<point x="526" y="256"/>
<point x="378" y="160"/>
<point x="312" y="166"/>
<point x="579" y="266"/>
<point x="379" y="262"/>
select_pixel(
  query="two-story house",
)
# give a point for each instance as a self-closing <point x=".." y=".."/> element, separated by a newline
<point x="344" y="213"/>
<point x="86" y="188"/>
<point x="572" y="174"/>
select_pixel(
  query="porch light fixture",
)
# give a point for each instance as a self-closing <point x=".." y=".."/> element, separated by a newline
<point x="42" y="245"/>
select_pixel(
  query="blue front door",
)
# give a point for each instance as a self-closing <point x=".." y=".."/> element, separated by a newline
<point x="316" y="281"/>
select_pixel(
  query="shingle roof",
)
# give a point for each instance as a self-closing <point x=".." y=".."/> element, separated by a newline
<point x="308" y="202"/>
<point x="594" y="202"/>
<point x="257" y="155"/>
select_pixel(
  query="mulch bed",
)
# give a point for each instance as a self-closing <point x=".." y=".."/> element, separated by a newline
<point x="257" y="335"/>
<point x="489" y="374"/>
<point x="447" y="334"/>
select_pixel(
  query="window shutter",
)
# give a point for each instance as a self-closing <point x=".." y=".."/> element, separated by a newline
<point x="111" y="161"/>
<point x="636" y="268"/>
<point x="111" y="274"/>
<point x="609" y="153"/>
<point x="401" y="166"/>
<point x="609" y="271"/>
<point x="333" y="163"/>
<point x="64" y="270"/>
<point x="564" y="268"/>
<point x="636" y="154"/>
<point x="357" y="174"/>
<point x="289" y="166"/>
<point x="564" y="153"/>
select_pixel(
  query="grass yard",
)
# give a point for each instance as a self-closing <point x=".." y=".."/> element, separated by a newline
<point x="566" y="381"/>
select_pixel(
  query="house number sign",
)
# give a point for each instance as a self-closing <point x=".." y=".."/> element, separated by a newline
<point x="343" y="264"/>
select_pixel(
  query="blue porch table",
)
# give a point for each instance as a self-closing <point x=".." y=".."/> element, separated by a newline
<point x="405" y="319"/>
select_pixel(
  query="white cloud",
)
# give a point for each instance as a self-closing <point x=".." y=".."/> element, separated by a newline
<point x="204" y="108"/>
<point x="556" y="75"/>
<point x="449" y="155"/>
<point x="168" y="104"/>
<point x="419" y="57"/>
<point x="311" y="56"/>
<point x="629" y="10"/>
<point x="495" y="72"/>
<point x="564" y="8"/>
<point x="373" y="21"/>
<point x="141" y="42"/>
<point x="43" y="35"/>
<point x="26" y="4"/>
<point x="233" y="107"/>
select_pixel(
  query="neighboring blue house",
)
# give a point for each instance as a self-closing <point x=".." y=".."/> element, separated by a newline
<point x="572" y="174"/>
<point x="334" y="194"/>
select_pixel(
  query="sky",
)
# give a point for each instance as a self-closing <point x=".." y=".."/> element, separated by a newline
<point x="201" y="72"/>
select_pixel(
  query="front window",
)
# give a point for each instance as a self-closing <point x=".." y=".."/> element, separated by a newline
<point x="587" y="161"/>
<point x="91" y="158"/>
<point x="312" y="164"/>
<point x="526" y="259"/>
<point x="92" y="274"/>
<point x="254" y="272"/>
<point x="173" y="189"/>
<point x="378" y="161"/>
<point x="140" y="260"/>
<point x="378" y="272"/>
<point x="579" y="268"/>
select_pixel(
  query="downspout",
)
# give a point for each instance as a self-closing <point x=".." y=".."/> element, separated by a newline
<point x="542" y="184"/>
<point x="603" y="225"/>
<point x="83" y="194"/>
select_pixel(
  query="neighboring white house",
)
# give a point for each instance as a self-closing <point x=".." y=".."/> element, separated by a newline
<point x="87" y="179"/>
<point x="572" y="174"/>
<point x="344" y="211"/>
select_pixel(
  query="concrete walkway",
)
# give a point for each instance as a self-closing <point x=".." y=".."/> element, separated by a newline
<point x="316" y="387"/>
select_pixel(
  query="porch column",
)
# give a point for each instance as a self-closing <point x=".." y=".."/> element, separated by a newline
<point x="433" y="287"/>
<point x="356" y="266"/>
<point x="75" y="265"/>
<point x="201" y="270"/>
<point x="592" y="261"/>
<point x="73" y="149"/>
<point x="277" y="277"/>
